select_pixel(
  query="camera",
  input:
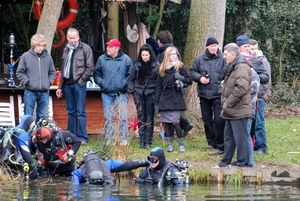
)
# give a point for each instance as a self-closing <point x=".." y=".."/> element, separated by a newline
<point x="179" y="84"/>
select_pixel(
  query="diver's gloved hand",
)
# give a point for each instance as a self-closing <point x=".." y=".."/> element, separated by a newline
<point x="139" y="180"/>
<point x="33" y="174"/>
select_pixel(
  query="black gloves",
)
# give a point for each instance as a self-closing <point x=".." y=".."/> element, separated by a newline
<point x="178" y="76"/>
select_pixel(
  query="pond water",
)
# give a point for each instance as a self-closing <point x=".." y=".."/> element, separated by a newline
<point x="61" y="189"/>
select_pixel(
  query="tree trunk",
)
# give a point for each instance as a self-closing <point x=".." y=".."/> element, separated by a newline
<point x="161" y="13"/>
<point x="48" y="20"/>
<point x="113" y="20"/>
<point x="207" y="18"/>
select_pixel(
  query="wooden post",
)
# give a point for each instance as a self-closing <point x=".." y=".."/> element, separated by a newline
<point x="220" y="176"/>
<point x="259" y="177"/>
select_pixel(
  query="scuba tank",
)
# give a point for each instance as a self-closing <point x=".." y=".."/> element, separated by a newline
<point x="182" y="166"/>
<point x="93" y="168"/>
<point x="183" y="174"/>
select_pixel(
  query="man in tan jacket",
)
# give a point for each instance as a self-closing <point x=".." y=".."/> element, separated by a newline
<point x="236" y="107"/>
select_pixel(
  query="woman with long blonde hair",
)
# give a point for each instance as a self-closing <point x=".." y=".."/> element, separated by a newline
<point x="172" y="78"/>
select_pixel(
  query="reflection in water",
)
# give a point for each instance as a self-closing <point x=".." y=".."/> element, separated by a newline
<point x="61" y="189"/>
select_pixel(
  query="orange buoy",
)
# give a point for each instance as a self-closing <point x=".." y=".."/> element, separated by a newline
<point x="62" y="39"/>
<point x="70" y="17"/>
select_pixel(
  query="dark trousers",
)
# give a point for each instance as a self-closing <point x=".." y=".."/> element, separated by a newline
<point x="145" y="112"/>
<point x="183" y="124"/>
<point x="236" y="137"/>
<point x="213" y="123"/>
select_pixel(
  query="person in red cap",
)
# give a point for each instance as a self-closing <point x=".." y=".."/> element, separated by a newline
<point x="111" y="72"/>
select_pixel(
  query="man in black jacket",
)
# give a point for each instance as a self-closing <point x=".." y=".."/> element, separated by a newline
<point x="208" y="70"/>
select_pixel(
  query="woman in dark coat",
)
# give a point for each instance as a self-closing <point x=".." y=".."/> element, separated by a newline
<point x="141" y="84"/>
<point x="172" y="76"/>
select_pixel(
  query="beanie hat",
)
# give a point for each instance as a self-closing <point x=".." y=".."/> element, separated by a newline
<point x="211" y="40"/>
<point x="242" y="40"/>
<point x="27" y="123"/>
<point x="160" y="154"/>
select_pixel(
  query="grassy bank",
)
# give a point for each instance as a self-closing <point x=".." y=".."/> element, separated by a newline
<point x="283" y="137"/>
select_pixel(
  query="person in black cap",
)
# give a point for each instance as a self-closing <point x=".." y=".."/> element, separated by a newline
<point x="208" y="70"/>
<point x="15" y="150"/>
<point x="160" y="171"/>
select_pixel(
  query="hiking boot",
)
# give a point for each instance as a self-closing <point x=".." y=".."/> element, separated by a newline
<point x="216" y="152"/>
<point x="142" y="145"/>
<point x="181" y="145"/>
<point x="226" y="166"/>
<point x="170" y="144"/>
<point x="147" y="146"/>
<point x="259" y="151"/>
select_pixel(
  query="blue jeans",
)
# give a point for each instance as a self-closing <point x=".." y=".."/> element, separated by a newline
<point x="75" y="102"/>
<point x="260" y="129"/>
<point x="41" y="100"/>
<point x="121" y="102"/>
<point x="251" y="155"/>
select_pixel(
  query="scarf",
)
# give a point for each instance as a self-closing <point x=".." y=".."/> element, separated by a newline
<point x="144" y="71"/>
<point x="67" y="64"/>
<point x="209" y="55"/>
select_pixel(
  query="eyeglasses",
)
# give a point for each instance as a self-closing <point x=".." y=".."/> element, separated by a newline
<point x="152" y="159"/>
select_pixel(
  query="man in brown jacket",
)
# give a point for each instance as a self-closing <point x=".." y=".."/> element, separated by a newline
<point x="77" y="68"/>
<point x="236" y="106"/>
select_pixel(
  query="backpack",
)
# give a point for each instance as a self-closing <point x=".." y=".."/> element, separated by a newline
<point x="8" y="151"/>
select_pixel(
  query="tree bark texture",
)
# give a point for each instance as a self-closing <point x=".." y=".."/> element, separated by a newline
<point x="207" y="18"/>
<point x="48" y="21"/>
<point x="113" y="20"/>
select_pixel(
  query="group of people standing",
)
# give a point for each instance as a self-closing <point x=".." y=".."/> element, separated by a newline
<point x="151" y="81"/>
<point x="232" y="88"/>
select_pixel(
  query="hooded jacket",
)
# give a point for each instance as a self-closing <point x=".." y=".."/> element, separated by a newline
<point x="236" y="91"/>
<point x="148" y="84"/>
<point x="36" y="73"/>
<point x="264" y="88"/>
<point x="258" y="66"/>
